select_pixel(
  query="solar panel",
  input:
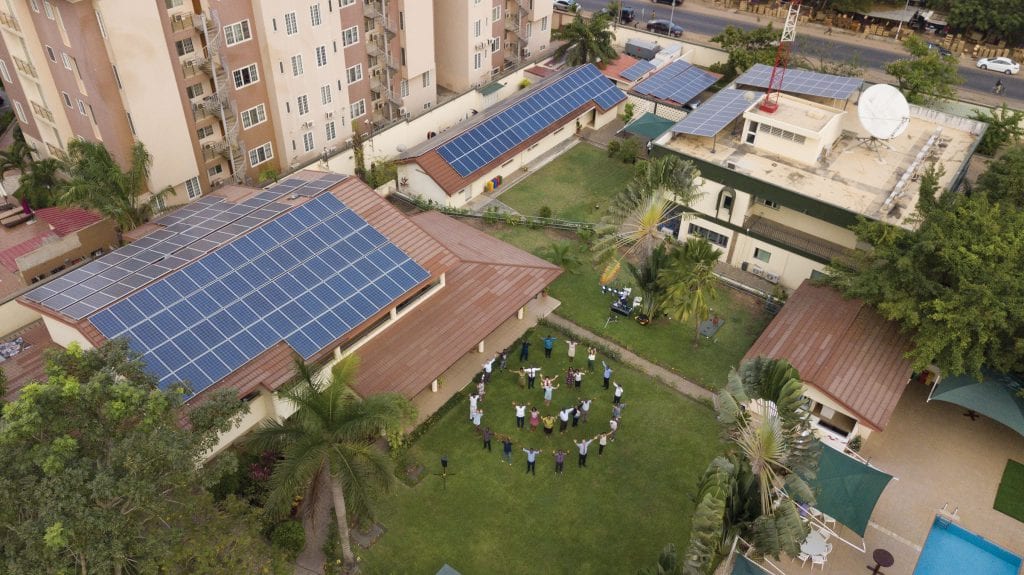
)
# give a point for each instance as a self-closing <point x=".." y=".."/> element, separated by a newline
<point x="678" y="82"/>
<point x="485" y="142"/>
<point x="717" y="113"/>
<point x="306" y="278"/>
<point x="803" y="82"/>
<point x="637" y="70"/>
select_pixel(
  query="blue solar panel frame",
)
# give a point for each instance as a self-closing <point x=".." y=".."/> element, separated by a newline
<point x="804" y="82"/>
<point x="214" y="315"/>
<point x="717" y="113"/>
<point x="679" y="82"/>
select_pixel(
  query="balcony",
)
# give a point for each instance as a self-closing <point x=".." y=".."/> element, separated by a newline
<point x="183" y="21"/>
<point x="393" y="97"/>
<point x="371" y="11"/>
<point x="193" y="67"/>
<point x="793" y="238"/>
<point x="41" y="111"/>
<point x="24" y="67"/>
<point x="389" y="26"/>
<point x="9" y="21"/>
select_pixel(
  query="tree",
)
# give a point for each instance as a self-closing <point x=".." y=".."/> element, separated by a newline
<point x="586" y="41"/>
<point x="39" y="182"/>
<point x="358" y="140"/>
<point x="98" y="183"/>
<point x="1003" y="181"/>
<point x="690" y="283"/>
<point x="746" y="48"/>
<point x="820" y="56"/>
<point x="1004" y="127"/>
<point x="98" y="476"/>
<point x="645" y="275"/>
<point x="1001" y="20"/>
<point x="849" y="5"/>
<point x="926" y="76"/>
<point x="564" y="255"/>
<point x="330" y="441"/>
<point x="16" y="157"/>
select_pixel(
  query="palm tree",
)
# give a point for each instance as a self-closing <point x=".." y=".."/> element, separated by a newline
<point x="330" y="440"/>
<point x="690" y="283"/>
<point x="586" y="41"/>
<point x="634" y="220"/>
<point x="15" y="157"/>
<point x="38" y="183"/>
<point x="564" y="255"/>
<point x="645" y="275"/>
<point x="97" y="182"/>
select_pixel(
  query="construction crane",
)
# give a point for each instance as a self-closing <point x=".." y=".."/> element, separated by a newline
<point x="770" y="103"/>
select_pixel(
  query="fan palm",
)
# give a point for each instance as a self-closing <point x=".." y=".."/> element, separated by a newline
<point x="564" y="255"/>
<point x="645" y="275"/>
<point x="38" y="183"/>
<point x="690" y="283"/>
<point x="586" y="41"/>
<point x="15" y="157"/>
<point x="330" y="440"/>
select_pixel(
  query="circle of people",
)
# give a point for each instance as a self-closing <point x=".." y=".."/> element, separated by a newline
<point x="576" y="413"/>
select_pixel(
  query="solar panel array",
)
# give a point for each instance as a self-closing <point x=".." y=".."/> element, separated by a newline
<point x="486" y="141"/>
<point x="189" y="233"/>
<point x="678" y="82"/>
<point x="637" y="70"/>
<point x="306" y="278"/>
<point x="803" y="82"/>
<point x="717" y="113"/>
<point x="307" y="188"/>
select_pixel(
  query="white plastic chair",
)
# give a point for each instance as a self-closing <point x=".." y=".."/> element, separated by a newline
<point x="803" y="557"/>
<point x="828" y="549"/>
<point x="825" y="534"/>
<point x="818" y="560"/>
<point x="828" y="519"/>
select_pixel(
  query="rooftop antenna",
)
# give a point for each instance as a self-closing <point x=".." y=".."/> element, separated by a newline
<point x="884" y="114"/>
<point x="771" y="96"/>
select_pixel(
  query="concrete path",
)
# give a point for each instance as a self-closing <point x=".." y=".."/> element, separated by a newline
<point x="680" y="384"/>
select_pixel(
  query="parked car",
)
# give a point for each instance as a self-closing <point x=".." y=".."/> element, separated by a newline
<point x="665" y="27"/>
<point x="1004" y="65"/>
<point x="942" y="51"/>
<point x="672" y="2"/>
<point x="626" y="15"/>
<point x="567" y="5"/>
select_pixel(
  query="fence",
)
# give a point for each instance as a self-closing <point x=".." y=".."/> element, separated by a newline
<point x="492" y="215"/>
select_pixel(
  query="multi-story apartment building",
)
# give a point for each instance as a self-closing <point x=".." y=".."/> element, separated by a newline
<point x="482" y="38"/>
<point x="216" y="89"/>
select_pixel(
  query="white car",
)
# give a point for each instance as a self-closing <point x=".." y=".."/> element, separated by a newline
<point x="566" y="5"/>
<point x="1004" y="65"/>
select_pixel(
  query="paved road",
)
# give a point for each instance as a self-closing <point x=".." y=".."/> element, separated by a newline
<point x="698" y="20"/>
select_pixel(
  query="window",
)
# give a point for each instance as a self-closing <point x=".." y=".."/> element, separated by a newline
<point x="4" y="72"/>
<point x="204" y="132"/>
<point x="325" y="94"/>
<point x="192" y="188"/>
<point x="117" y="78"/>
<point x="543" y="23"/>
<point x="780" y="133"/>
<point x="99" y="21"/>
<point x="297" y="65"/>
<point x="330" y="131"/>
<point x="303" y="105"/>
<point x="67" y="99"/>
<point x="404" y="87"/>
<point x="314" y="14"/>
<point x="478" y="60"/>
<point x="184" y="46"/>
<point x="401" y="20"/>
<point x="194" y="91"/>
<point x="321" y="56"/>
<point x="215" y="170"/>
<point x="81" y="108"/>
<point x="354" y="74"/>
<point x="92" y="115"/>
<point x="476" y="29"/>
<point x="52" y="56"/>
<point x="357" y="109"/>
<point x="402" y="55"/>
<point x="19" y="111"/>
<point x="35" y="5"/>
<point x="66" y="59"/>
<point x="713" y="237"/>
<point x="768" y="203"/>
<point x="172" y="3"/>
<point x="237" y="33"/>
<point x="350" y="36"/>
<point x="495" y="44"/>
<point x="131" y="124"/>
<point x="245" y="76"/>
<point x="346" y="3"/>
<point x="261" y="154"/>
<point x="307" y="142"/>
<point x="495" y="13"/>
<point x="291" y="25"/>
<point x="762" y="255"/>
<point x="48" y="9"/>
<point x="426" y="79"/>
<point x="253" y="116"/>
<point x="529" y="29"/>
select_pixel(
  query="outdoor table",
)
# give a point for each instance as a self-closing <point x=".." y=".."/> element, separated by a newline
<point x="882" y="559"/>
<point x="814" y="544"/>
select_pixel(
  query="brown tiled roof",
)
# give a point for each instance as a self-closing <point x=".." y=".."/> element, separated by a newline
<point x="29" y="365"/>
<point x="9" y="255"/>
<point x="842" y="348"/>
<point x="616" y="67"/>
<point x="541" y="71"/>
<point x="67" y="220"/>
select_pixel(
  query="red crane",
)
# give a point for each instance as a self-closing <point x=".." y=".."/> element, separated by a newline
<point x="770" y="103"/>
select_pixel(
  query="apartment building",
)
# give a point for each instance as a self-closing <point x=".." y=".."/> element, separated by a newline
<point x="483" y="38"/>
<point x="218" y="90"/>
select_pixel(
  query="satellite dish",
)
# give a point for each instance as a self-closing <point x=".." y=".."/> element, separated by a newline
<point x="883" y="111"/>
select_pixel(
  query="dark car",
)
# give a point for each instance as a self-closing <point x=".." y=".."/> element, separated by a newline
<point x="942" y="51"/>
<point x="626" y="15"/>
<point x="665" y="27"/>
<point x="672" y="2"/>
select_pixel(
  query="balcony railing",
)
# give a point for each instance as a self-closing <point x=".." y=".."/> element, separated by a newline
<point x="182" y="21"/>
<point x="42" y="111"/>
<point x="9" y="21"/>
<point x="794" y="238"/>
<point x="24" y="67"/>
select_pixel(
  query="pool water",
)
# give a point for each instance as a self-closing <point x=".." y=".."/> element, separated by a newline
<point x="952" y="550"/>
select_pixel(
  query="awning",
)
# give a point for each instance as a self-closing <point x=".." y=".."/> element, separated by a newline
<point x="997" y="395"/>
<point x="490" y="88"/>
<point x="847" y="489"/>
<point x="649" y="126"/>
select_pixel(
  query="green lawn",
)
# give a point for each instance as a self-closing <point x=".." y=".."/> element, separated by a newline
<point x="577" y="186"/>
<point x="612" y="517"/>
<point x="1010" y="497"/>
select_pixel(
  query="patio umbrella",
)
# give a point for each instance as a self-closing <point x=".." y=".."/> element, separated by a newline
<point x="997" y="395"/>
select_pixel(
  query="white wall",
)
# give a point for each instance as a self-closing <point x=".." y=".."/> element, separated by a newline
<point x="14" y="316"/>
<point x="63" y="334"/>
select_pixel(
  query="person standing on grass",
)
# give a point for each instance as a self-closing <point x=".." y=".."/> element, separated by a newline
<point x="582" y="445"/>
<point x="477" y="417"/>
<point x="607" y="374"/>
<point x="570" y="377"/>
<point x="617" y="410"/>
<point x="506" y="446"/>
<point x="481" y="388"/>
<point x="534" y="419"/>
<point x="520" y="414"/>
<point x="524" y="350"/>
<point x="487" y="434"/>
<point x="577" y="378"/>
<point x="503" y="359"/>
<point x="572" y="349"/>
<point x="617" y="397"/>
<point x="531" y="376"/>
<point x="602" y="441"/>
<point x="488" y="367"/>
<point x="591" y="358"/>
<point x="585" y="408"/>
<point x="549" y="424"/>
<point x="531" y="459"/>
<point x="576" y="412"/>
<point x="549" y="390"/>
<point x="614" y="427"/>
<point x="473" y="400"/>
<point x="559" y="461"/>
<point x="563" y="419"/>
<point x="549" y="344"/>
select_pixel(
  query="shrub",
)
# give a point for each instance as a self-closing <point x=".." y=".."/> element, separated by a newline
<point x="524" y="83"/>
<point x="544" y="212"/>
<point x="629" y="150"/>
<point x="290" y="537"/>
<point x="332" y="549"/>
<point x="613" y="148"/>
<point x="627" y="112"/>
<point x="586" y="235"/>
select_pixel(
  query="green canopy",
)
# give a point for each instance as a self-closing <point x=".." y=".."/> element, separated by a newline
<point x="847" y="489"/>
<point x="997" y="395"/>
<point x="490" y="88"/>
<point x="744" y="566"/>
<point x="649" y="126"/>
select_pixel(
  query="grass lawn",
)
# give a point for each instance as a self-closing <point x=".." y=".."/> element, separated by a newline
<point x="572" y="185"/>
<point x="1010" y="497"/>
<point x="612" y="517"/>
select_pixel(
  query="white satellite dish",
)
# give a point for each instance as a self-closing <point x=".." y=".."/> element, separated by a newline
<point x="883" y="111"/>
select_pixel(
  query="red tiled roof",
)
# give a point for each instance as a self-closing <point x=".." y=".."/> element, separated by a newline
<point x="541" y="71"/>
<point x="29" y="365"/>
<point x="65" y="221"/>
<point x="616" y="67"/>
<point x="8" y="255"/>
<point x="842" y="348"/>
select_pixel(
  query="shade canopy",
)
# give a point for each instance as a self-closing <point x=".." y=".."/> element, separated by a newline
<point x="997" y="395"/>
<point x="847" y="489"/>
<point x="649" y="126"/>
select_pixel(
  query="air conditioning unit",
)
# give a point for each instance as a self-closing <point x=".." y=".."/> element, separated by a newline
<point x="482" y="45"/>
<point x="730" y="165"/>
<point x="757" y="271"/>
<point x="307" y="125"/>
<point x="209" y="146"/>
<point x="774" y="278"/>
<point x="178" y="18"/>
<point x="329" y="114"/>
<point x="525" y="52"/>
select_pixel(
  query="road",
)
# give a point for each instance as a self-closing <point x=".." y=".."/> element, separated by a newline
<point x="870" y="54"/>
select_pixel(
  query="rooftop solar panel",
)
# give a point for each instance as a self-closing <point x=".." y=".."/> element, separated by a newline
<point x="637" y="70"/>
<point x="214" y="315"/>
<point x="805" y="82"/>
<point x="678" y="82"/>
<point x="485" y="142"/>
<point x="717" y="113"/>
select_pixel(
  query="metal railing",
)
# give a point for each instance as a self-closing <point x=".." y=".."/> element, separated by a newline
<point x="24" y="67"/>
<point x="9" y="21"/>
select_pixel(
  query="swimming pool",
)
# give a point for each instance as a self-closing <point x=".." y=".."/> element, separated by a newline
<point x="952" y="550"/>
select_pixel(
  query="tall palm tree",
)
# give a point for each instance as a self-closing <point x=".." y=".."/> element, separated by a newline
<point x="330" y="440"/>
<point x="97" y="182"/>
<point x="586" y="41"/>
<point x="16" y="157"/>
<point x="645" y="275"/>
<point x="690" y="283"/>
<point x="39" y="182"/>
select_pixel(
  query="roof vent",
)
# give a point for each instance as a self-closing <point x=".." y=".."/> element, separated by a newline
<point x="294" y="196"/>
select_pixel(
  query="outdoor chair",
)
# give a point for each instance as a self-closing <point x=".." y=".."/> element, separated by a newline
<point x="818" y="560"/>
<point x="828" y="519"/>
<point x="825" y="534"/>
<point x="803" y="557"/>
<point x="828" y="549"/>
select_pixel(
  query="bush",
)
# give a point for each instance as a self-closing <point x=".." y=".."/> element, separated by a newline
<point x="332" y="550"/>
<point x="524" y="83"/>
<point x="290" y="537"/>
<point x="544" y="212"/>
<point x="627" y="112"/>
<point x="629" y="150"/>
<point x="613" y="148"/>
